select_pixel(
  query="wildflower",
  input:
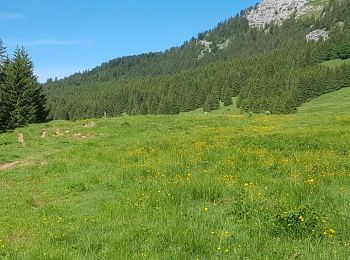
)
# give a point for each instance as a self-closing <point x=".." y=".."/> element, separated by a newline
<point x="226" y="250"/>
<point x="301" y="218"/>
<point x="206" y="209"/>
<point x="310" y="181"/>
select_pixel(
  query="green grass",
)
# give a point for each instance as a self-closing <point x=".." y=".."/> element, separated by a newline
<point x="181" y="187"/>
<point x="223" y="110"/>
<point x="336" y="63"/>
<point x="332" y="103"/>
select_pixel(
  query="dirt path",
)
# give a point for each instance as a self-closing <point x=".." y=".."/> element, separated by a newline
<point x="10" y="165"/>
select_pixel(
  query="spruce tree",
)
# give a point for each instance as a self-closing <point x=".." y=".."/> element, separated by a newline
<point x="211" y="103"/>
<point x="24" y="96"/>
<point x="3" y="107"/>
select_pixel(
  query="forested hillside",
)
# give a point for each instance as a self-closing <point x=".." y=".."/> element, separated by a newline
<point x="274" y="69"/>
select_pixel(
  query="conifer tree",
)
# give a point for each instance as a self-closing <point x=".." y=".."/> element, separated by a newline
<point x="24" y="98"/>
<point x="211" y="103"/>
<point x="3" y="107"/>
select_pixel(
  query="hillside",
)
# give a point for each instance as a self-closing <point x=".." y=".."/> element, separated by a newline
<point x="275" y="68"/>
<point x="337" y="102"/>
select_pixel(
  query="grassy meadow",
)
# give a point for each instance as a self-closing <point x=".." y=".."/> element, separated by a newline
<point x="337" y="102"/>
<point x="178" y="187"/>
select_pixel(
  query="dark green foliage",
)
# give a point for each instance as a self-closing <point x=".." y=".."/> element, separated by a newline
<point x="227" y="97"/>
<point x="211" y="103"/>
<point x="4" y="111"/>
<point x="299" y="223"/>
<point x="339" y="51"/>
<point x="273" y="70"/>
<point x="22" y="99"/>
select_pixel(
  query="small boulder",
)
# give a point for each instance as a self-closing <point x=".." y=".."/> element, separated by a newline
<point x="317" y="35"/>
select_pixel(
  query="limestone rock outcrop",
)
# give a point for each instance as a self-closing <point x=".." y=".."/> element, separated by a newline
<point x="317" y="35"/>
<point x="276" y="11"/>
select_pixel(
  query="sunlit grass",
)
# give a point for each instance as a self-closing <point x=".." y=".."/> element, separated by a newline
<point x="181" y="187"/>
<point x="337" y="102"/>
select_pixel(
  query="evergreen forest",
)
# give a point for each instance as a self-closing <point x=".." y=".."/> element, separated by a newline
<point x="271" y="69"/>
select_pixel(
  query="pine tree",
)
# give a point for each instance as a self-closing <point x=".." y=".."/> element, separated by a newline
<point x="24" y="95"/>
<point x="226" y="96"/>
<point x="3" y="108"/>
<point x="211" y="103"/>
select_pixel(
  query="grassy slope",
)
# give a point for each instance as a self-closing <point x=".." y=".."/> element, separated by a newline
<point x="332" y="103"/>
<point x="179" y="187"/>
<point x="335" y="63"/>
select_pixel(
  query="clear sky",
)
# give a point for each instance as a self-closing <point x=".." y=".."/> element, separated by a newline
<point x="66" y="36"/>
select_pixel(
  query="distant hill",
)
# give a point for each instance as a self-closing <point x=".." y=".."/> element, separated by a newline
<point x="268" y="56"/>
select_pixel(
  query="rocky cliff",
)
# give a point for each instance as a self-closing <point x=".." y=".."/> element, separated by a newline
<point x="276" y="11"/>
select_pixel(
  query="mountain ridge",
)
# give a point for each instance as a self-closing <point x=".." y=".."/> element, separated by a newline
<point x="277" y="11"/>
<point x="233" y="59"/>
<point x="257" y="17"/>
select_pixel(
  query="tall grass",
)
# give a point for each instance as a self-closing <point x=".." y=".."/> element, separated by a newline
<point x="182" y="187"/>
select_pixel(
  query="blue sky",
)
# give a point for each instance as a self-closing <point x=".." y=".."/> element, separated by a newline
<point x="65" y="36"/>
